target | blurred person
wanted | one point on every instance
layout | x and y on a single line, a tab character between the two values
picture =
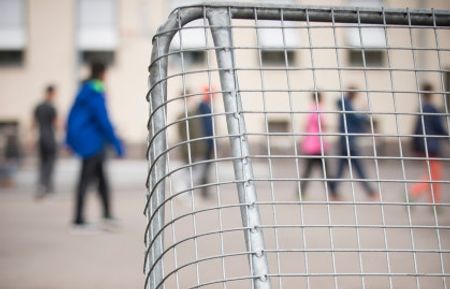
426	143
45	118
204	109
10	156
313	145
198	130
190	131
351	123
89	132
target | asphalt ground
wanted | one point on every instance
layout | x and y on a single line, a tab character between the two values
395	246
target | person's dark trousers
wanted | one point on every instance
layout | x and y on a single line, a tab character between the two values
356	166
311	162
92	169
205	171
47	157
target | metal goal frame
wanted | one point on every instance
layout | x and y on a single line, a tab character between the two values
217	18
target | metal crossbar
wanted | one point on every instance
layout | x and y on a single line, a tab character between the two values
245	100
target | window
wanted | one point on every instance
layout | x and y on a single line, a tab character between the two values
97	30
191	41
274	38
277	57
277	39
12	32
373	58
278	125
91	56
369	42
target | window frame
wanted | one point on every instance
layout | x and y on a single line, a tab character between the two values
106	53
14	54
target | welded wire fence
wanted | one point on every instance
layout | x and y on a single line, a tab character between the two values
296	147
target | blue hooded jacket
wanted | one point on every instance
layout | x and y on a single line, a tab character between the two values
432	122
89	128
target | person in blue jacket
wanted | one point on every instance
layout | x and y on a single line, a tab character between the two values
351	124
89	132
429	131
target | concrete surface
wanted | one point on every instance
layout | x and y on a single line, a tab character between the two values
39	249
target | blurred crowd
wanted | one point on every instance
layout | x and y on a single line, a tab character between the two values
89	133
195	129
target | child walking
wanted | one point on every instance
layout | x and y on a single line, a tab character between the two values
314	147
426	143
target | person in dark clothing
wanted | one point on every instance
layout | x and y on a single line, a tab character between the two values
350	125
10	154
89	131
426	143
199	136
190	130
204	109
45	116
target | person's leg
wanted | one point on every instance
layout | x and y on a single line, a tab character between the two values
418	189
51	168
86	174
205	178
103	187
6	173
42	165
309	163
358	166
342	162
324	169
205	171
436	175
47	170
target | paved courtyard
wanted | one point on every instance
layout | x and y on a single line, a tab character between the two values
39	250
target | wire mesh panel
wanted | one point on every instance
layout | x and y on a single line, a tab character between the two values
296	147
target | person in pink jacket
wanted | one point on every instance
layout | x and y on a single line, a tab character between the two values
313	146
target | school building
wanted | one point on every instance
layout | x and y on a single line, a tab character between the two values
51	41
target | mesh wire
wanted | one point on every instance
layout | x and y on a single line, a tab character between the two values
200	233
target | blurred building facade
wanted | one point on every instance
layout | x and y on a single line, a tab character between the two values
51	41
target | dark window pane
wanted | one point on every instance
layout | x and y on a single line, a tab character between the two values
197	57
190	57
106	57
278	125
11	57
374	58
277	57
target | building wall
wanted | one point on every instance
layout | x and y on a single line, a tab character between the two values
51	57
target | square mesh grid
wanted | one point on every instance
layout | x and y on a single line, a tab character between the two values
232	94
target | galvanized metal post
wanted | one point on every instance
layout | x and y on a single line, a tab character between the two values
158	97
219	20
156	157
164	268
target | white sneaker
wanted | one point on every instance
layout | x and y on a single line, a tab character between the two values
110	224
84	229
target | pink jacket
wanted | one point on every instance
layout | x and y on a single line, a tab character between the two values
311	144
